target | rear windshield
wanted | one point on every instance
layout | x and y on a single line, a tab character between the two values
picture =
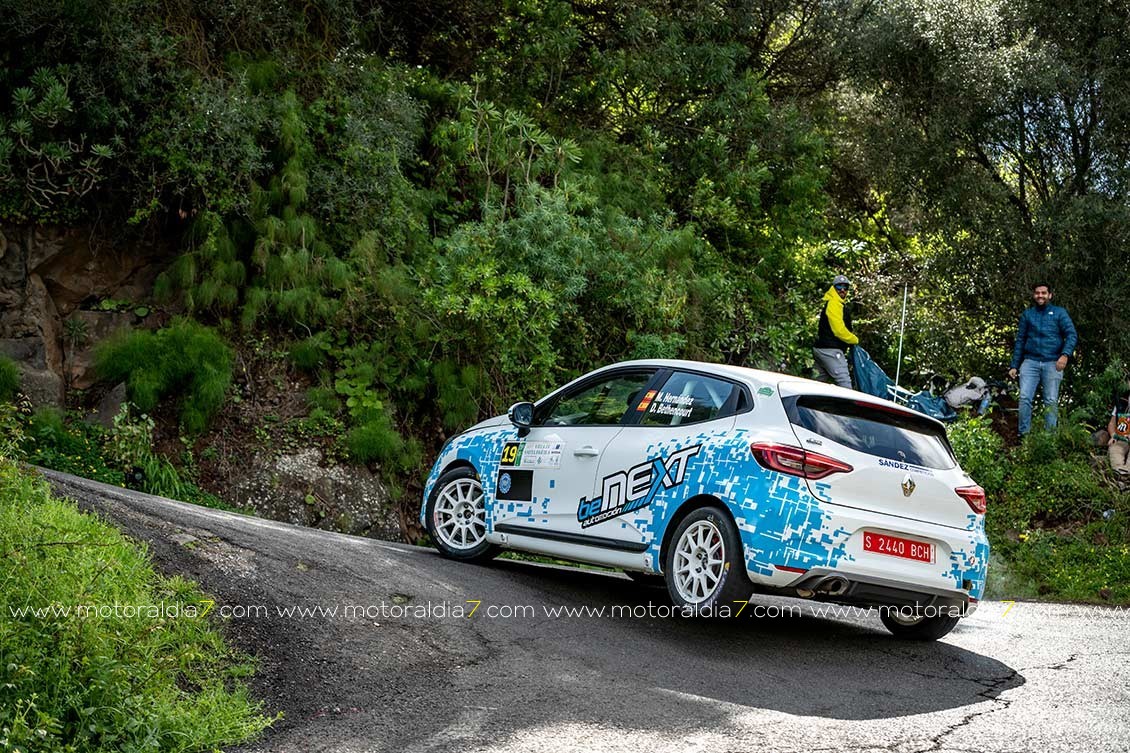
886	434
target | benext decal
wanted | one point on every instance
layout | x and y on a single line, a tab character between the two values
635	488
905	467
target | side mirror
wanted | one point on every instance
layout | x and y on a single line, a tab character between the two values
522	416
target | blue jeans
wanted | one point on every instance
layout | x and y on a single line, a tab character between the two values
1045	375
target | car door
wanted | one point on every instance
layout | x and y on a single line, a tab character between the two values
662	456
544	474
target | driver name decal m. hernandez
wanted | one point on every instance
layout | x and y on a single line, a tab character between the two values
667	404
625	491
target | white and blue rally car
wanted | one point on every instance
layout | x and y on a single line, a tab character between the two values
724	480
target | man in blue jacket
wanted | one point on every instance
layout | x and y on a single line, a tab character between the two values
1045	340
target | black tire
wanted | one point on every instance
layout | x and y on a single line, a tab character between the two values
731	583
445	516
924	629
651	580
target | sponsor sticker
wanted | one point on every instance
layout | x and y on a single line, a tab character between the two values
532	455
905	467
635	488
515	486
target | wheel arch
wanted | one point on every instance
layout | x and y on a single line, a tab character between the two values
459	463
696	502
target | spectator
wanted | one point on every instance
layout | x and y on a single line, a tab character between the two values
1118	446
834	335
1045	340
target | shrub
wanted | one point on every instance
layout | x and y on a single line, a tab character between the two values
186	360
48	426
77	449
310	354
130	445
980	450
323	399
74	681
376	440
12	437
9	379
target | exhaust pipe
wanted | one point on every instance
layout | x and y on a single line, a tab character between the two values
833	585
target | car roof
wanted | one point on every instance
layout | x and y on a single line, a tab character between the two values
760	376
754	376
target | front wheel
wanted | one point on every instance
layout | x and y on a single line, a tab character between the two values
705	567
456	517
917	628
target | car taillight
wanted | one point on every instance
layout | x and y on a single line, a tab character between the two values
975	496
796	461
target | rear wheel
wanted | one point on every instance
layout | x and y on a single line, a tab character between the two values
456	517
705	568
916	627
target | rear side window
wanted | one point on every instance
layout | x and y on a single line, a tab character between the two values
687	398
886	434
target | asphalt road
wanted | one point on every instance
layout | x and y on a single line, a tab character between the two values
398	674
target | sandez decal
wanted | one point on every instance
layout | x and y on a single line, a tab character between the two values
905	467
625	491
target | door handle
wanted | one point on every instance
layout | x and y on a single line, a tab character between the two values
588	451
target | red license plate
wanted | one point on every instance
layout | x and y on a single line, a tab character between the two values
896	546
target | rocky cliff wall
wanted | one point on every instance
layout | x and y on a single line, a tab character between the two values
55	287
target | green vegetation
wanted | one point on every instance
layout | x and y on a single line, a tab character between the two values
437	214
129	446
71	448
9	379
1059	528
122	456
147	672
186	361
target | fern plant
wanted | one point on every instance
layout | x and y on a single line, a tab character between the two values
186	359
272	264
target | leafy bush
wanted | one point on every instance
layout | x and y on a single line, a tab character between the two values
980	451
323	399
11	433
130	447
1058	530
46	168
51	442
159	678
376	440
9	379
48	425
186	361
310	354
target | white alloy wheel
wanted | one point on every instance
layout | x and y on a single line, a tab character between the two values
700	561
459	517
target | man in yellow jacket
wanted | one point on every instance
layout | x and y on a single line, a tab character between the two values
834	335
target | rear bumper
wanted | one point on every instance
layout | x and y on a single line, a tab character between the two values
872	591
829	539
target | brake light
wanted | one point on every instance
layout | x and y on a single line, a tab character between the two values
975	496
887	409
796	461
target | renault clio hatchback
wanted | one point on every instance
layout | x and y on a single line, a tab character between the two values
724	481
